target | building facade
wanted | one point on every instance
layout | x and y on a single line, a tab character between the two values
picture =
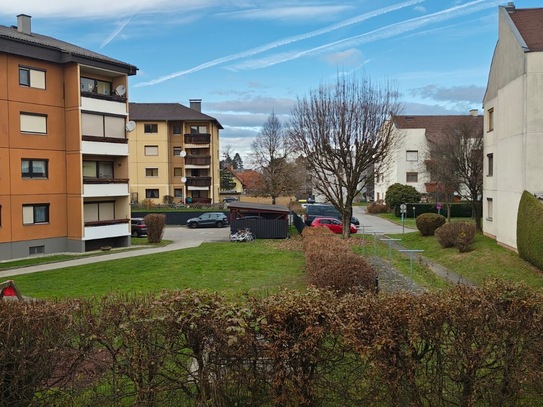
63	146
513	105
174	152
412	148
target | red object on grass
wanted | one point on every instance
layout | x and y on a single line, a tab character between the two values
9	292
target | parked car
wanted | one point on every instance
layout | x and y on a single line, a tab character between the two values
323	211
230	199
333	224
217	219
139	228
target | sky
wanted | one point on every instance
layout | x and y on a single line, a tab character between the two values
248	58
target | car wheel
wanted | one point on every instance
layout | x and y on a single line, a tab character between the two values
192	225
219	224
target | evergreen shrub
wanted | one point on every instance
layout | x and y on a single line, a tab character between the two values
427	223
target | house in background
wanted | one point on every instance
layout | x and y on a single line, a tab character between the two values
406	165
174	151
236	187
63	146
513	105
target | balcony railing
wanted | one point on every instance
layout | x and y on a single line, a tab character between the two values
106	222
198	181
105	139
197	138
105	180
114	97
198	160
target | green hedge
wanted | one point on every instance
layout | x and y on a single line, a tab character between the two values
530	229
458	210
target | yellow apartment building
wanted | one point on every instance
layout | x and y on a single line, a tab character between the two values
174	152
63	146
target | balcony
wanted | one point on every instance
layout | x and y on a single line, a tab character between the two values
101	187
198	160
198	139
106	229
104	146
93	102
198	181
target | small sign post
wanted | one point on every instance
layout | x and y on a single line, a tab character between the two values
403	210
438	206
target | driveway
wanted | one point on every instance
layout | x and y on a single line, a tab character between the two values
377	224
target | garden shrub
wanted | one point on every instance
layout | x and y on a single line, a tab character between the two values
530	229
376	207
427	223
458	234
398	194
155	223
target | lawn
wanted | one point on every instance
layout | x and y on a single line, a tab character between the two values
486	260
231	268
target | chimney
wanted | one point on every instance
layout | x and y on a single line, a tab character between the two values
196	104
474	112
23	24
510	8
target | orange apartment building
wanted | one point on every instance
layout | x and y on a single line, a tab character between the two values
63	146
174	151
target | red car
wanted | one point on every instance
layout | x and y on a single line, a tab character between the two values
333	224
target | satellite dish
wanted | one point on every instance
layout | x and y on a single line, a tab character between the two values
183	179
183	153
120	90
130	126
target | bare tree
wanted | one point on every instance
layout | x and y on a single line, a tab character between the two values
344	132
271	157
456	161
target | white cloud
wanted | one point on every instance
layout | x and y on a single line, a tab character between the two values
350	57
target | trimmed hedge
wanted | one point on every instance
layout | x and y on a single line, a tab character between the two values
427	223
458	210
530	229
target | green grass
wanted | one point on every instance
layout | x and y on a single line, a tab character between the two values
486	260
231	268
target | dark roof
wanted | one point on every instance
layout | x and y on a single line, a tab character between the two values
258	207
47	48
434	125
167	112
529	23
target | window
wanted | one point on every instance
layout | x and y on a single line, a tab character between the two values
178	193
177	151
150	128
198	129
98	169
34	168
412	155
33	123
36	250
96	211
33	78
37	213
151	150
176	129
95	86
177	172
490	158
151	172
489	208
491	119
151	193
412	177
97	125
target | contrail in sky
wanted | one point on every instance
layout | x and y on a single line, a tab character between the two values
381	33
283	42
115	33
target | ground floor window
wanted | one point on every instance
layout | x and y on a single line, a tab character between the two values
151	193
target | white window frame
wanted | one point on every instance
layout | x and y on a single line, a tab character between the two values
36	77
33	123
30	213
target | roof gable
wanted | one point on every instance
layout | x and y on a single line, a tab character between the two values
434	125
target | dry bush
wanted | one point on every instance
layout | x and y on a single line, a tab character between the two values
458	234
331	263
377	207
155	222
427	223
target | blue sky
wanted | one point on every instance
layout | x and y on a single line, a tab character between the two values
247	58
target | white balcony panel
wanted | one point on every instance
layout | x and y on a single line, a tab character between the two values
99	190
103	106
196	146
192	166
102	232
98	148
198	188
